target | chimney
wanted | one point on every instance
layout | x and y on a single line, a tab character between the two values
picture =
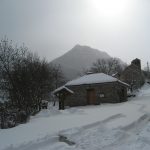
137	62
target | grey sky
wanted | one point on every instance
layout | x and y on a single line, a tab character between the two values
52	27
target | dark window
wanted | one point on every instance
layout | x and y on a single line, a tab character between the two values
122	92
101	95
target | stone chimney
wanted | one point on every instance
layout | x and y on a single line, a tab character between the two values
137	62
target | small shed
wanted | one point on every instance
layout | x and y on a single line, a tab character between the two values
62	92
92	89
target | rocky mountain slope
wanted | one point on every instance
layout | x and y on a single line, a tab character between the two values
77	59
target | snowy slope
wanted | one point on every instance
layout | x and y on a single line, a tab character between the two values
106	127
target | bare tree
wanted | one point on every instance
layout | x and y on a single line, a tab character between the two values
8	56
146	72
107	66
25	78
58	75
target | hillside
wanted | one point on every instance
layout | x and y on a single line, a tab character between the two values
78	58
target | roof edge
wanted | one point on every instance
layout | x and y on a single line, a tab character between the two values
62	88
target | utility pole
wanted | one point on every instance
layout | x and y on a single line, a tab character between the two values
148	71
147	67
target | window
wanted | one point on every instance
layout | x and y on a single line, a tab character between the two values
101	95
123	91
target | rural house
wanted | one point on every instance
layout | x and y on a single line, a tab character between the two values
133	74
92	89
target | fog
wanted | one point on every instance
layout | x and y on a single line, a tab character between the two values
52	27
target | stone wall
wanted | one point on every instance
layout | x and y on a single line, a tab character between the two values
133	74
113	93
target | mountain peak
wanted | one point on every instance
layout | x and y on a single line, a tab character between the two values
77	45
81	47
78	58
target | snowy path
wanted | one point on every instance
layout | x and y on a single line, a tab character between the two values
108	126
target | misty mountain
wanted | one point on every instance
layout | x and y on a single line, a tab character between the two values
79	58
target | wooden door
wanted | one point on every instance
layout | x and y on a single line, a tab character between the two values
91	97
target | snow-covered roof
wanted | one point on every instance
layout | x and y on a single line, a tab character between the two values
62	88
94	79
123	83
113	75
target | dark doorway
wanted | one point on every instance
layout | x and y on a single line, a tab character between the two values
121	94
91	97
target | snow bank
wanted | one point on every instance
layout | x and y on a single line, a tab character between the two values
107	126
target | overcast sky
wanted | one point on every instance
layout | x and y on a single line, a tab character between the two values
52	27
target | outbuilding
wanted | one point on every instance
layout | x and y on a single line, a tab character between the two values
133	75
92	89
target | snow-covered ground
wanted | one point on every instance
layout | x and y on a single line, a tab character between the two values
123	126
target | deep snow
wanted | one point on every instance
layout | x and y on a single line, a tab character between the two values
93	79
107	127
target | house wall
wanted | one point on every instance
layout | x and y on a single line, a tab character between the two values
113	93
133	74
